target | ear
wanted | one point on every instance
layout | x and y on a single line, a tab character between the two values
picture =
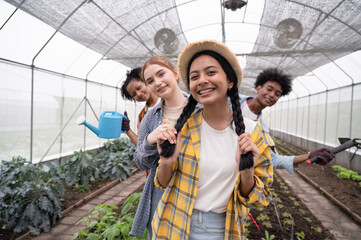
258	88
176	75
230	84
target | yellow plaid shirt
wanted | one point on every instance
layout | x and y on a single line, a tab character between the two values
173	215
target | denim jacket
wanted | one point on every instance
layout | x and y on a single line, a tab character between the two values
146	157
278	161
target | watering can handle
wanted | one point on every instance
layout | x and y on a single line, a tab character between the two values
105	112
340	148
112	113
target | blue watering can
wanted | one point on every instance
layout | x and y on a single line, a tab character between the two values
110	124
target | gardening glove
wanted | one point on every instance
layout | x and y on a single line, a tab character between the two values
125	123
323	155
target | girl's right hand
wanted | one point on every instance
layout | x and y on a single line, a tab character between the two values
152	137
170	135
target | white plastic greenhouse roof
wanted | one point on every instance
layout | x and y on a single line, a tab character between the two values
317	42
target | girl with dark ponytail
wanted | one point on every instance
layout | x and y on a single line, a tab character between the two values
215	165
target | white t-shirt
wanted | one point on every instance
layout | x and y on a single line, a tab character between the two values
247	112
218	168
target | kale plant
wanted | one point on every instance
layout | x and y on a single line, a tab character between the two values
82	168
30	195
116	159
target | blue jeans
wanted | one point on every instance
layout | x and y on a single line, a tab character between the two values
207	225
156	196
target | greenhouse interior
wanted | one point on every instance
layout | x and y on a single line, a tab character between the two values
61	60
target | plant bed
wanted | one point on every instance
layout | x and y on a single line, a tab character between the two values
71	196
295	218
346	191
32	195
111	222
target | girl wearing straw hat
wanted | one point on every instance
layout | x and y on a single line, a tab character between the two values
219	165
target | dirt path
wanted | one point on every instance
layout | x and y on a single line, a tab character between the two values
340	224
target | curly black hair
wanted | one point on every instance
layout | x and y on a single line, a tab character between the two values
132	74
275	75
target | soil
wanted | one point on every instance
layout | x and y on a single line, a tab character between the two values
295	219
346	191
73	195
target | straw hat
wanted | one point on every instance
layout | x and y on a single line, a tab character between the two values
211	45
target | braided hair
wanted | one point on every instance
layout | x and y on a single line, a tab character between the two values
246	159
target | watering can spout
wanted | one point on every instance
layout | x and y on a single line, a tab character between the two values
81	120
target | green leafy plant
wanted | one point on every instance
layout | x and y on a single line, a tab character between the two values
317	229
262	217
288	222
336	167
302	211
120	144
352	173
82	168
344	175
30	195
267	224
115	165
307	219
286	215
300	235
103	222
81	188
356	178
116	159
268	236
101	217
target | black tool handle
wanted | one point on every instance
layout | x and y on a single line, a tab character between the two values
340	148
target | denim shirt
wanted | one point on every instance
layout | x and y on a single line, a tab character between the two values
146	157
278	161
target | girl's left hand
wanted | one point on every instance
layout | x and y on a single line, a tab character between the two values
245	145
